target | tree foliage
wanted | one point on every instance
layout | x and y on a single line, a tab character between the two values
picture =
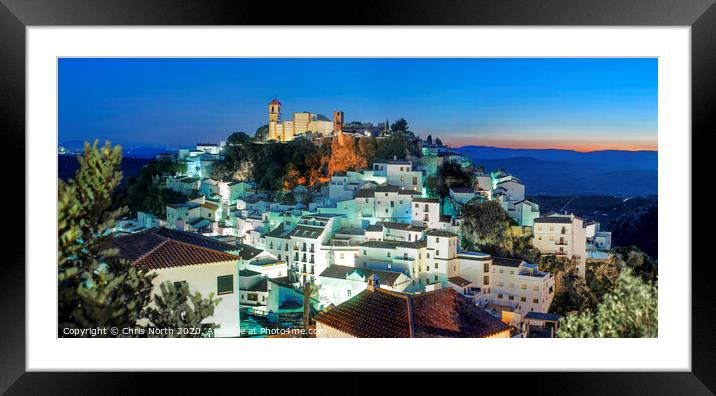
486	227
176	308
144	192
631	310
261	133
571	291
400	125
449	174
96	289
395	146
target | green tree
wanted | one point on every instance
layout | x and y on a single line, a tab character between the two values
399	126
429	140
177	309
262	133
438	142
144	193
449	174
393	146
571	291
96	289
486	227
630	311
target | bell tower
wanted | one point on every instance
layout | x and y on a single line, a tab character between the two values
274	111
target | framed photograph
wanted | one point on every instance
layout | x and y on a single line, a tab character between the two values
468	187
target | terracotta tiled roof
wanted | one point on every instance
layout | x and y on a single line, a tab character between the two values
460	281
380	313
275	102
163	248
336	271
171	253
376	314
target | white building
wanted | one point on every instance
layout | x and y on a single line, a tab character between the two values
338	283
307	256
520	285
562	236
211	148
206	265
524	212
400	173
426	212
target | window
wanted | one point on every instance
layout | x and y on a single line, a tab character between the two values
388	254
523	286
341	256
535	288
253	297
402	178
535	300
436	265
511	298
499	296
427	268
415	180
486	267
405	256
349	293
436	278
417	205
437	253
523	299
500	284
486	280
225	284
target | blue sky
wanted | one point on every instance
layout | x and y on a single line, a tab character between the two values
583	104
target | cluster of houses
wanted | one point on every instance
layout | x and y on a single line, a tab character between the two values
382	258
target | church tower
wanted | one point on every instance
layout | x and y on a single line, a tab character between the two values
274	108
274	111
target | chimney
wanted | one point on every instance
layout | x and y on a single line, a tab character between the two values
373	282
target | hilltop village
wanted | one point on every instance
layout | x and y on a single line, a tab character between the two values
365	251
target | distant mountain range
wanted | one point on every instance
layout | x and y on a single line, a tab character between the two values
77	146
569	172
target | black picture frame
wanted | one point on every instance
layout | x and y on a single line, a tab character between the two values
16	15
